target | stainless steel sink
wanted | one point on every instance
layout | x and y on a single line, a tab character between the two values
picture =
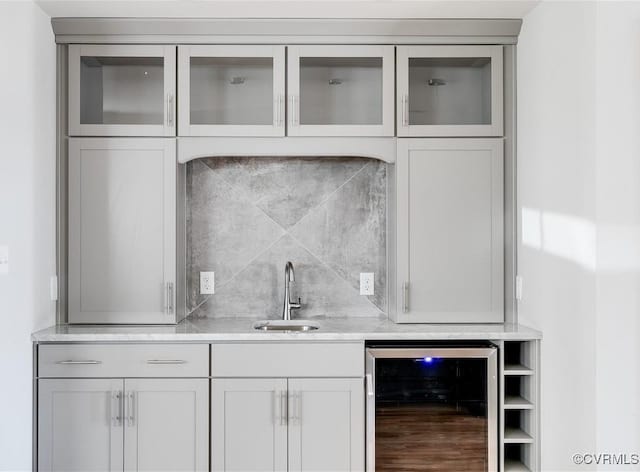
286	325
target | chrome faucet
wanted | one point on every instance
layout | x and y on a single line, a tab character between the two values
289	277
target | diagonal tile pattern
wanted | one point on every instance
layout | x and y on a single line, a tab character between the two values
285	188
257	291
247	216
348	233
224	230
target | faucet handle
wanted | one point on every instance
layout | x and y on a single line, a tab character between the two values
297	305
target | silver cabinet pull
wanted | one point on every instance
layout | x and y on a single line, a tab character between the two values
169	294
276	111
291	110
281	107
130	413
170	109
274	407
166	361
87	362
292	406
405	110
405	297
297	407
278	104
283	408
116	408
295	112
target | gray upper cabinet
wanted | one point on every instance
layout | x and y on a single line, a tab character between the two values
231	90
450	231
122	90
122	230
340	90
450	91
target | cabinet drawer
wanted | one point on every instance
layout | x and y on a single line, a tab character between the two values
122	360
287	360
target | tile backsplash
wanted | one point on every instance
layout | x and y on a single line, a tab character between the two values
248	216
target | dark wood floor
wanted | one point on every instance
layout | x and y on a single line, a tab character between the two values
429	438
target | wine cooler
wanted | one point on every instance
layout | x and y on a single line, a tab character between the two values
432	408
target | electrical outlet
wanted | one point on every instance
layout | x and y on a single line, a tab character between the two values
366	283
4	259
207	283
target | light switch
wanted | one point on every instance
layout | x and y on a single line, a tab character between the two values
207	283
366	283
4	260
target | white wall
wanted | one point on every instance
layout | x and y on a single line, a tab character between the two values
27	212
579	191
618	227
556	179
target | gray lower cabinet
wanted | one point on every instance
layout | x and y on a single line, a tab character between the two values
450	232
248	425
122	230
326	425
287	424
80	425
166	426
123	424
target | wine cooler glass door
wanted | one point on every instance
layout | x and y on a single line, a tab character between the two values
433	409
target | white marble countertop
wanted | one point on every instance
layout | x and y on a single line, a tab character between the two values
241	329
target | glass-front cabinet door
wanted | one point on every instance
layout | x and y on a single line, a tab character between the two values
450	90
122	90
231	90
340	90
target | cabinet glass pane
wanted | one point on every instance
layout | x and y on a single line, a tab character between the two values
450	91
340	90
231	90
121	90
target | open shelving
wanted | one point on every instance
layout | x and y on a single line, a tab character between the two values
519	417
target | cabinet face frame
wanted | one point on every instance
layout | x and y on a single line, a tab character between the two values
168	126
403	286
294	53
167	147
186	52
406	129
